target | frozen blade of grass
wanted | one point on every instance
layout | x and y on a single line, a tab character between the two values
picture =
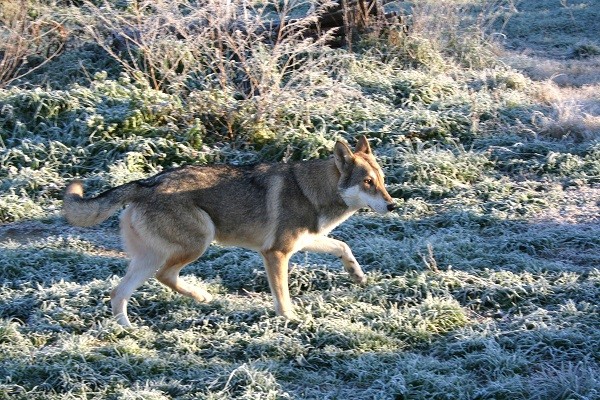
249	381
570	380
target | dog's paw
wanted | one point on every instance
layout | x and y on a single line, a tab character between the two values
355	271
201	296
359	279
290	315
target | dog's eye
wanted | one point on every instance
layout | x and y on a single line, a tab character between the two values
369	181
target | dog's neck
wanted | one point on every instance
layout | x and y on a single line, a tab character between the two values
318	181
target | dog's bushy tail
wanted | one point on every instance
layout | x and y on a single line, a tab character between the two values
87	212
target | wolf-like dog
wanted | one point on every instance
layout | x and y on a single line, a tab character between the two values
276	209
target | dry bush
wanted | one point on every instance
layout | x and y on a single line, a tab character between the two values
574	114
443	33
29	39
568	120
175	44
565	73
249	61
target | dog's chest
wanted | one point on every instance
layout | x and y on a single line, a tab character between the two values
327	223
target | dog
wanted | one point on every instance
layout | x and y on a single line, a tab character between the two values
276	209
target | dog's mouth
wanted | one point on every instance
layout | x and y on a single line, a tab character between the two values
354	199
383	209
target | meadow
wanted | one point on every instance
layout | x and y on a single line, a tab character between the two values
483	284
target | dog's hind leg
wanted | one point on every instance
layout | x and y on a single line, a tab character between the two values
339	249
141	268
193	245
145	261
169	276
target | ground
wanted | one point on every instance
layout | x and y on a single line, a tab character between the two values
483	284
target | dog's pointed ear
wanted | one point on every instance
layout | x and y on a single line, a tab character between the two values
343	155
363	145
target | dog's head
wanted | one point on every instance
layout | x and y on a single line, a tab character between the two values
361	181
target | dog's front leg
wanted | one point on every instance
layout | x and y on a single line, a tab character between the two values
276	264
341	250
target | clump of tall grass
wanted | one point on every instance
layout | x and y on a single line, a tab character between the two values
442	35
570	114
252	64
31	37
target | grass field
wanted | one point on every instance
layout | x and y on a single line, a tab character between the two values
484	284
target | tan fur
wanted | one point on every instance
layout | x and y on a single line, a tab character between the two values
275	209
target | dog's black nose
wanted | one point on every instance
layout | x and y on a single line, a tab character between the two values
391	207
